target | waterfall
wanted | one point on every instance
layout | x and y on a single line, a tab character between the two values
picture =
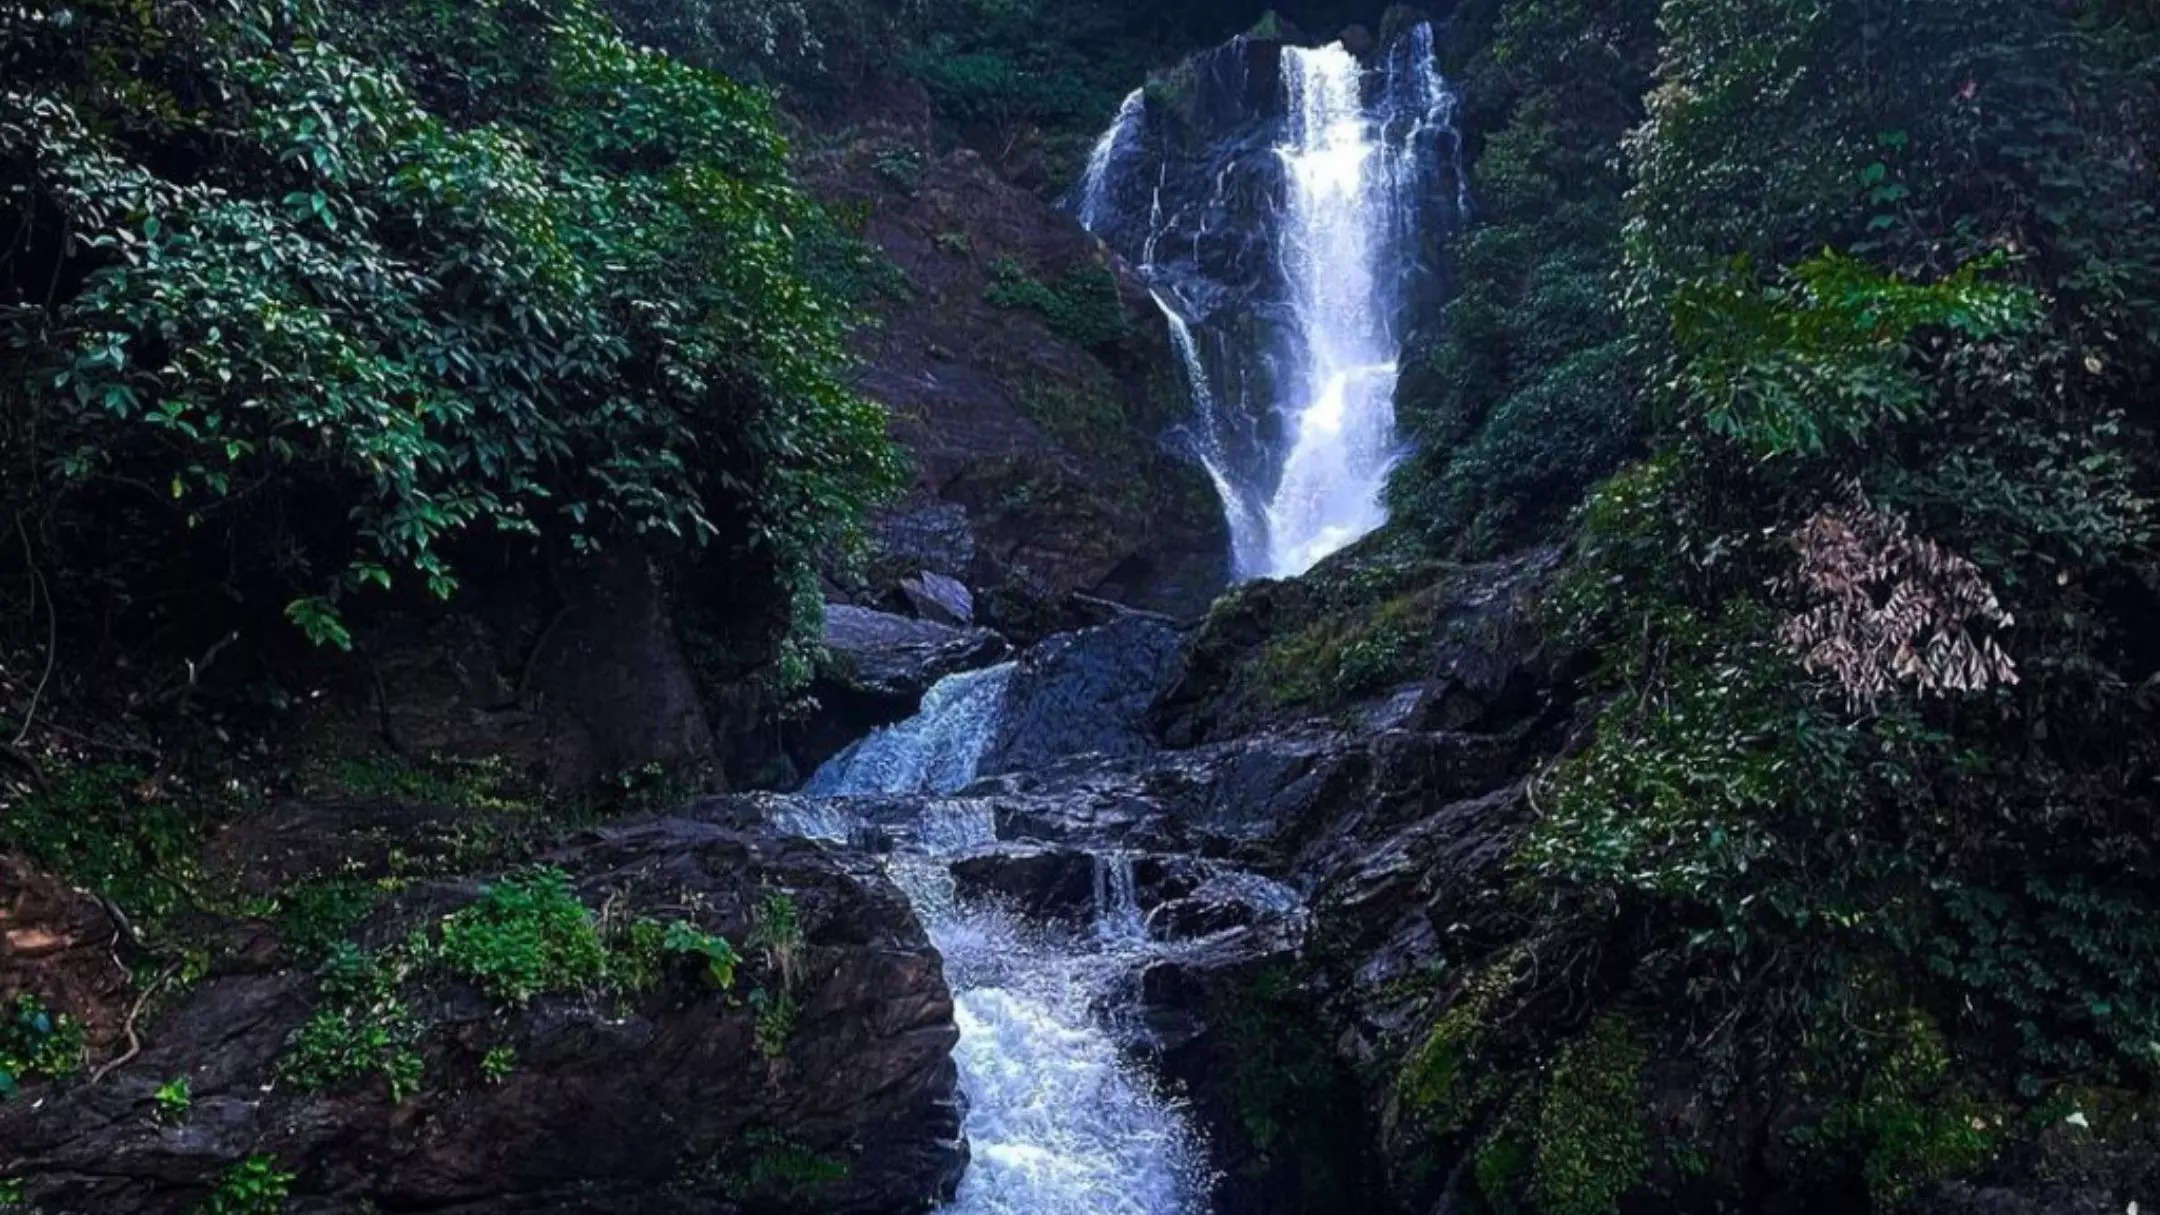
1117	901
1060	1121
1300	227
1340	406
1095	183
935	751
1248	530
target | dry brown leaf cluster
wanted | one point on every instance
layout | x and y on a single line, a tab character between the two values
1889	607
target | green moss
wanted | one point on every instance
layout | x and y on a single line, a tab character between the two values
1077	417
1501	1168
482	783
1340	657
313	916
110	828
777	1169
1293	1099
1438	1083
1590	1144
1910	1123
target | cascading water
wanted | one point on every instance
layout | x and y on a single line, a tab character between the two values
935	751
1285	230
1094	198
1341	391
1059	1121
1247	523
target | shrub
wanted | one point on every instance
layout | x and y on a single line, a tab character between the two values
363	1028
255	1186
1083	307
527	935
37	1044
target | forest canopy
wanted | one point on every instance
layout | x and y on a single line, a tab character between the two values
297	297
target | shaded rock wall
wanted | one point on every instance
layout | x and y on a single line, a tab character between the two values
1049	444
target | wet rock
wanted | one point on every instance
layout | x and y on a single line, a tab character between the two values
937	597
895	658
662	1102
930	535
1188	918
1232	1021
1084	693
1042	447
880	666
1039	881
1474	658
1223	900
878	654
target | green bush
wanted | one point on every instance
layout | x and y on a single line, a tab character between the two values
1523	390
255	1186
363	1028
1909	1122
108	827
1344	655
396	275
37	1044
526	936
1853	280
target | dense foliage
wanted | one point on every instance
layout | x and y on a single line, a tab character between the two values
1873	783
298	298
1519	393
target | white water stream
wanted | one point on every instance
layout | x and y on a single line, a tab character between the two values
1060	1121
1339	401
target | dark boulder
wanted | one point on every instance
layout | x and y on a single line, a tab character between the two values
1084	693
1039	881
893	658
660	1101
937	597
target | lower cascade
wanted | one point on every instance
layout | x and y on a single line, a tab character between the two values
1060	1120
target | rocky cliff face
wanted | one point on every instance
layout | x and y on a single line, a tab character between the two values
1028	375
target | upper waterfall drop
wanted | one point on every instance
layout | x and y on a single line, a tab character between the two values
1283	203
1339	399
